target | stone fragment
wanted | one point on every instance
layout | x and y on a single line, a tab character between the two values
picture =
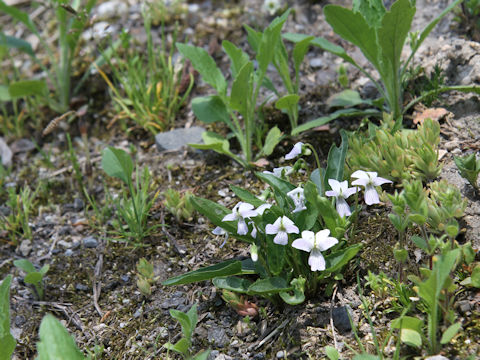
176	139
341	319
90	242
5	153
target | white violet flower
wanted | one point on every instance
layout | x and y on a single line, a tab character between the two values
219	232
241	211
271	6
315	244
297	150
281	227
369	180
280	172
341	191
298	199
261	209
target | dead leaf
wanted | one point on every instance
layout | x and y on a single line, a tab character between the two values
261	163
432	113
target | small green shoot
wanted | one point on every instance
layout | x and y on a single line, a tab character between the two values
188	322
179	205
7	341
469	167
17	222
33	276
145	277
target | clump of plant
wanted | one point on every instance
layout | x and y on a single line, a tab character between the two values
148	87
380	35
134	204
34	276
16	223
7	341
71	20
179	205
145	277
297	235
397	154
469	167
188	322
467	15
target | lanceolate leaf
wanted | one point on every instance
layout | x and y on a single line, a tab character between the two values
237	57
16	43
226	268
210	109
336	160
205	65
233	283
242	89
372	11
7	341
353	27
273	138
28	88
269	286
117	163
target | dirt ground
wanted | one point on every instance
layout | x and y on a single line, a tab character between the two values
91	285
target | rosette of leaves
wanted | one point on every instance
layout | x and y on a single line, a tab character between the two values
281	271
469	167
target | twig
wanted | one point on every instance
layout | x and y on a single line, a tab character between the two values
97	287
331	317
269	336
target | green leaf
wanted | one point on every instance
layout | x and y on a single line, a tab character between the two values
347	98
272	285
336	160
316	177
410	330
371	10
352	27
278	184
275	257
366	357
331	353
232	283
394	30
268	42
451	331
205	65
12	42
218	144
117	163
188	321
226	268
246	196
202	356
55	341
420	242
287	102
299	51
4	94
237	57
335	115
323	44
210	109
7	341
181	346
28	88
44	269
335	261
273	138
25	265
33	278
476	277
242	89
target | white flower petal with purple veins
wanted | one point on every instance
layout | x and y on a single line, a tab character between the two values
246	210
316	260
261	209
241	211
281	227
254	230
280	172
341	191
230	217
369	180
315	244
297	150
342	207
297	195
281	238
242	227
221	232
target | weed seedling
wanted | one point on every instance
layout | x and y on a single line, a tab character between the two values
469	167
145	277
179	205
33	276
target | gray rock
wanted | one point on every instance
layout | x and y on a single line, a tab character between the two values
78	204
25	247
176	139
5	153
218	337
213	355
4	210
22	145
111	9
90	242
175	301
341	320
316	63
81	287
68	252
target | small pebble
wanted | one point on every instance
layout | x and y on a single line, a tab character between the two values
81	287
125	278
90	242
280	354
68	252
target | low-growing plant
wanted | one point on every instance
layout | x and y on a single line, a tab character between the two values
16	223
380	35
7	341
148	87
469	168
33	276
397	154
55	341
239	108
297	241
179	205
145	277
134	205
188	322
72	20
